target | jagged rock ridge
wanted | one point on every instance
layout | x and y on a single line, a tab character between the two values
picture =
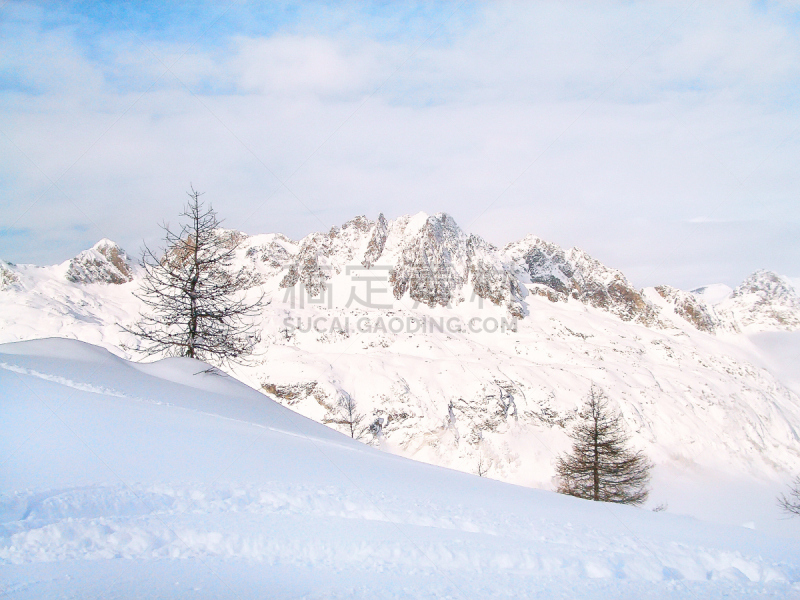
691	308
560	275
431	260
432	266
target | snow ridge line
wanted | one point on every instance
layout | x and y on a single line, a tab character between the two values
83	387
104	391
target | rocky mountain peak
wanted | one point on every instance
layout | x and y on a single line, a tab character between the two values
560	275
768	286
765	299
432	266
7	275
105	262
309	266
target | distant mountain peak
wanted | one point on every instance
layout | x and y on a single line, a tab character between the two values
766	300
105	262
767	285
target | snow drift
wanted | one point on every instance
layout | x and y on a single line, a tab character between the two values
171	479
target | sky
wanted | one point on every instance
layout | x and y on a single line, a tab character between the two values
662	138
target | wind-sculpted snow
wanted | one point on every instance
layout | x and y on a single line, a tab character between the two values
167	522
201	487
84	387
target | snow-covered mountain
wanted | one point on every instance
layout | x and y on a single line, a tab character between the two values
170	480
765	301
460	353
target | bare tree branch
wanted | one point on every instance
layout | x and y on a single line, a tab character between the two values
791	503
346	415
197	307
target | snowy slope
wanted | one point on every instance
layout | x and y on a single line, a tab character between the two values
166	480
462	354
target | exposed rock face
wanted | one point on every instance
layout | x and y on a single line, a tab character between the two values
766	300
545	264
307	267
575	274
491	278
432	261
229	238
273	254
7	276
294	393
322	254
691	308
432	267
105	262
377	242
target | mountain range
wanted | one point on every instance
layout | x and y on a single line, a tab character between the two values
463	354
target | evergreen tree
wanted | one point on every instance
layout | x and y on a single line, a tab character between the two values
791	503
196	304
600	466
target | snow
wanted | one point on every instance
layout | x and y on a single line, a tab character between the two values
170	480
714	293
718	412
780	350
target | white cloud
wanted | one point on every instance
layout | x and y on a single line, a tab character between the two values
617	133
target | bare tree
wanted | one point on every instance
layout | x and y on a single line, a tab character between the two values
601	467
791	503
346	415
196	304
483	465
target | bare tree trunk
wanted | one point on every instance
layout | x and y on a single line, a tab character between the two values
196	306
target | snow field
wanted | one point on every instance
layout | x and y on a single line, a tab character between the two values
722	408
121	479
